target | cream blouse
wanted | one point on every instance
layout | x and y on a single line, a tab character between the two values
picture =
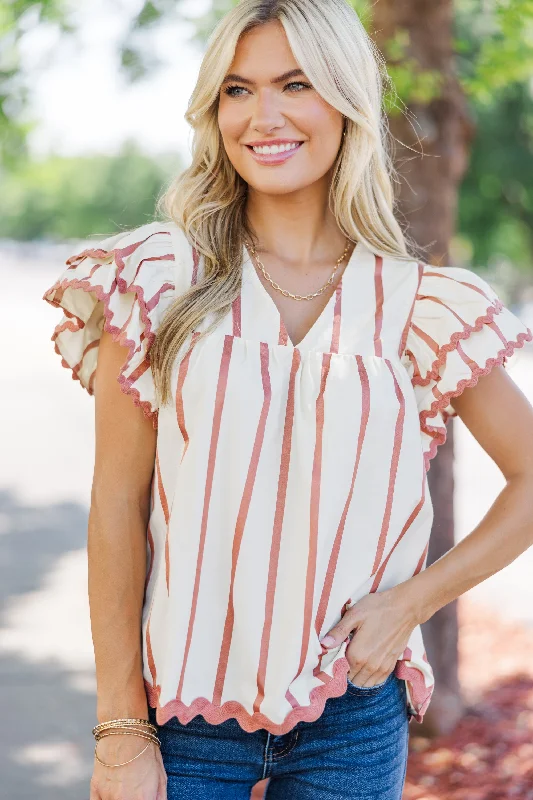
288	481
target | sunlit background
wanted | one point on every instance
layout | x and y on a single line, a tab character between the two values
93	97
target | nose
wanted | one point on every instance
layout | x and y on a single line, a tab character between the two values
266	113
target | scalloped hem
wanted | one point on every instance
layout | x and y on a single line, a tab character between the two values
438	434
75	324
250	723
468	330
419	695
256	721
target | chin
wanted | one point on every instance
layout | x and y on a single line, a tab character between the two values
276	189
276	184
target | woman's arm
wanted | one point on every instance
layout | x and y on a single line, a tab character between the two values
120	503
501	419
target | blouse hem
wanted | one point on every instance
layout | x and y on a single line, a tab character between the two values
232	709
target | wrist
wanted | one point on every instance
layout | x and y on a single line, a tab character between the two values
133	706
415	599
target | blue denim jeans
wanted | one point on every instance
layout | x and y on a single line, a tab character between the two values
356	750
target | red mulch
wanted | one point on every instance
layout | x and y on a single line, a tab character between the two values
489	755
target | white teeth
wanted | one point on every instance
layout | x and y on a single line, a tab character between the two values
281	148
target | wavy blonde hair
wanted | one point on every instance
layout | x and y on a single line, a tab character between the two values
208	199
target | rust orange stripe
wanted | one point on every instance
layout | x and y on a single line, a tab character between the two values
492	325
236	315
466	358
403	341
182	374
336	333
398	433
314	512
421	560
276	534
164	506
241	521
215	431
444	305
167	257
332	565
431	343
412	516
462	283
283	337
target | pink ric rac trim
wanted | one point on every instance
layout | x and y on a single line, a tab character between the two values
419	692
118	334
438	434
335	687
443	351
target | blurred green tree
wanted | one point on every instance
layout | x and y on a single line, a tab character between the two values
77	197
18	17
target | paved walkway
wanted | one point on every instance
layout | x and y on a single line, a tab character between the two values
46	661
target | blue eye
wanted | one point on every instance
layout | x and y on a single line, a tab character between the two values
299	83
231	91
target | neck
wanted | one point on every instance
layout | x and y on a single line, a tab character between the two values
297	229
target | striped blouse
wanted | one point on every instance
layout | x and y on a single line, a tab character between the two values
289	481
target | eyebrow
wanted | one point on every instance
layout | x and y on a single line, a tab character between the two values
293	73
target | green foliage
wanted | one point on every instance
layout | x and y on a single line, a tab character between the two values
77	197
496	198
17	17
495	45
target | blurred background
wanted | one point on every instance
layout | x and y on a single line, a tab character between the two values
92	98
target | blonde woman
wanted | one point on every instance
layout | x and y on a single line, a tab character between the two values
260	514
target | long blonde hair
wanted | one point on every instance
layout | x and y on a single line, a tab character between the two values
208	199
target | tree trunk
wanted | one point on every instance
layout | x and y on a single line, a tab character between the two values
431	157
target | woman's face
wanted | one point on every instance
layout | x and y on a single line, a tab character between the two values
256	108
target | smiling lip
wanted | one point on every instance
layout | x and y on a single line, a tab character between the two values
273	158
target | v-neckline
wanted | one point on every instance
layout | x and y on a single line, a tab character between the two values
248	263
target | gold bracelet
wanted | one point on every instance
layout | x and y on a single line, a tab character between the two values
126	721
143	735
124	728
124	762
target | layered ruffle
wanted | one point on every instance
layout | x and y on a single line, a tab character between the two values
459	330
123	286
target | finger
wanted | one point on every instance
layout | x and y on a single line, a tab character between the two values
367	676
340	632
363	678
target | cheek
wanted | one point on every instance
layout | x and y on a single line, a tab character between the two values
325	128
230	124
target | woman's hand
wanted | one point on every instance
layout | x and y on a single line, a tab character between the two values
382	623
144	777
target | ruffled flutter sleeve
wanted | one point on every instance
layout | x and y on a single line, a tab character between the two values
123	285
459	330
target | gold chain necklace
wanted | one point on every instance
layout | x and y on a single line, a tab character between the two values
290	294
